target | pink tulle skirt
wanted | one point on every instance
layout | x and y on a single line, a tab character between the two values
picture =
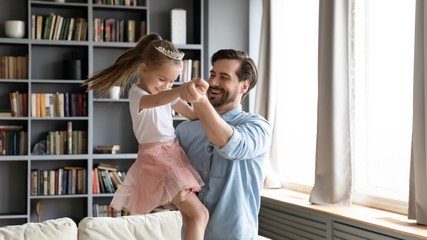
160	171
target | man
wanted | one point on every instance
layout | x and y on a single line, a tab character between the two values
227	146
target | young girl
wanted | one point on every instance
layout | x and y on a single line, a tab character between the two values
161	174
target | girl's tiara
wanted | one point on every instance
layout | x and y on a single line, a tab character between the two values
169	53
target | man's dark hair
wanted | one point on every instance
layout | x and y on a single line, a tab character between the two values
247	70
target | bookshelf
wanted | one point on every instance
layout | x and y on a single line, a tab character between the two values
105	121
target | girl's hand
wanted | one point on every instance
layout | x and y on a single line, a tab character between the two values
201	85
194	91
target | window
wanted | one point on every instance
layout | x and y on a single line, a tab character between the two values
383	82
381	100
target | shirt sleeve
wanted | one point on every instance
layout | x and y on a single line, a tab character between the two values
135	94
174	101
249	140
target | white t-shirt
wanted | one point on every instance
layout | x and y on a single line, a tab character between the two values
151	124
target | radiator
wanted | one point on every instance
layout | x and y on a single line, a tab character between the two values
278	220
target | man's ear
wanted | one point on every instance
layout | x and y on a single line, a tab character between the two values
244	86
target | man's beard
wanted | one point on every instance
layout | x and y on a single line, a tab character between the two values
226	97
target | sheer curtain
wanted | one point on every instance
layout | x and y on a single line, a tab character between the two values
287	88
418	173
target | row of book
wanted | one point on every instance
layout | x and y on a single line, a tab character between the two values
190	70
106	178
13	140
14	67
61	181
104	210
121	2
18	105
67	141
57	27
116	30
58	104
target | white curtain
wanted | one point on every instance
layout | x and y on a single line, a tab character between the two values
333	178
418	174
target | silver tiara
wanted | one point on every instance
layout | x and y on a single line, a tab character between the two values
169	53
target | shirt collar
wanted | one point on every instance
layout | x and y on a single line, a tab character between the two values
228	116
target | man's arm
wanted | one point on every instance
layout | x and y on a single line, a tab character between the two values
216	129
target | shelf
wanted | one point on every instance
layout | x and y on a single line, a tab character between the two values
9	158
45	42
115	156
14	81
103	195
13	216
63	157
118	7
106	100
50	4
64	196
15	40
58	118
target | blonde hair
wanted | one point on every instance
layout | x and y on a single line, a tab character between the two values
126	67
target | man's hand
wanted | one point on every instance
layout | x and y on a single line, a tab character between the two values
194	91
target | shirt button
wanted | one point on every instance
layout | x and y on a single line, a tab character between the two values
209	148
201	194
205	172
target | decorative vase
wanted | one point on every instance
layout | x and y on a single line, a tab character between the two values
14	28
114	92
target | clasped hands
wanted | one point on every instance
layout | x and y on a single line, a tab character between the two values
194	90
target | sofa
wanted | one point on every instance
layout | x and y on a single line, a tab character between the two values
154	226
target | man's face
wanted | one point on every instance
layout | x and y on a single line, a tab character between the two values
225	90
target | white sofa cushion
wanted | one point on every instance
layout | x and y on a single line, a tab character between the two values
162	225
61	228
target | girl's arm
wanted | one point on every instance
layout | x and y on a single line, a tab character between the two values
185	110
159	99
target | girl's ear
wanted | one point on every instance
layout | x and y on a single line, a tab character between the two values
142	68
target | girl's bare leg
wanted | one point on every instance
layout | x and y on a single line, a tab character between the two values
195	217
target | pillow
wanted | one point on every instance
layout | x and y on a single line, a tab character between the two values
61	228
161	225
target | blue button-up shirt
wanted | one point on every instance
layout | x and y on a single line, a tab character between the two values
232	174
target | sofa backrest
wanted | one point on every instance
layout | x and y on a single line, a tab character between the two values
162	225
61	228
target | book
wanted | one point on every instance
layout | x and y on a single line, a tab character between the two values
33	26
52	26
112	149
106	166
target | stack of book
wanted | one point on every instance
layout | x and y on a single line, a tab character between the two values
62	181
13	140
110	149
107	178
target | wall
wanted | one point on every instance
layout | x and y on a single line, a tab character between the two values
227	27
